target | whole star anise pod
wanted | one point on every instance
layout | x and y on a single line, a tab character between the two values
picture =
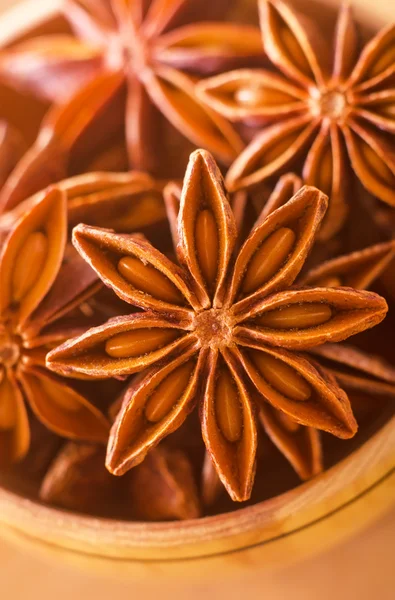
354	370
38	293
143	52
212	322
313	116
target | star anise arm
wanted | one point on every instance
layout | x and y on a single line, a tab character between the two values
53	67
373	159
285	188
302	318
61	408
166	15
357	270
376	62
357	371
325	168
122	346
135	270
74	284
163	487
12	147
155	404
298	387
300	445
77	480
92	20
200	47
124	201
228	424
292	42
271	151
32	254
275	251
172	196
14	422
345	44
376	107
207	230
211	485
252	94
142	121
175	95
65	130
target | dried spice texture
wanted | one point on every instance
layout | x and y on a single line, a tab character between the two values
124	201
38	293
356	371
161	488
214	322
311	116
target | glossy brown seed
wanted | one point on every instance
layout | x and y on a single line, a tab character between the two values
377	165
268	258
28	264
206	236
168	392
258	96
287	422
282	377
139	342
63	397
148	279
297	316
8	410
228	408
293	49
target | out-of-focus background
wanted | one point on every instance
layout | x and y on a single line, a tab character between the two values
362	568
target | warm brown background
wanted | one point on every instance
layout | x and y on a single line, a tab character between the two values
363	568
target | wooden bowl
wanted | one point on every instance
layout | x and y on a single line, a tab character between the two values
312	516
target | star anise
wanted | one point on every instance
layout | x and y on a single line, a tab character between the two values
212	322
312	115
301	445
161	488
135	58
38	294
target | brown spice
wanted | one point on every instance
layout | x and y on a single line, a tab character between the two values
219	330
310	115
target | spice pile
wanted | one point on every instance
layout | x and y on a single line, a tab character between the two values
202	222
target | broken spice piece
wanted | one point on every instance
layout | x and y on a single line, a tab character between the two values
223	311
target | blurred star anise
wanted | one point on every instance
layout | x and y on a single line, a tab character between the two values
215	322
141	51
161	488
314	116
38	293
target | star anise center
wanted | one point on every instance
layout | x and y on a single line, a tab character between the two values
331	104
213	327
9	349
130	53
